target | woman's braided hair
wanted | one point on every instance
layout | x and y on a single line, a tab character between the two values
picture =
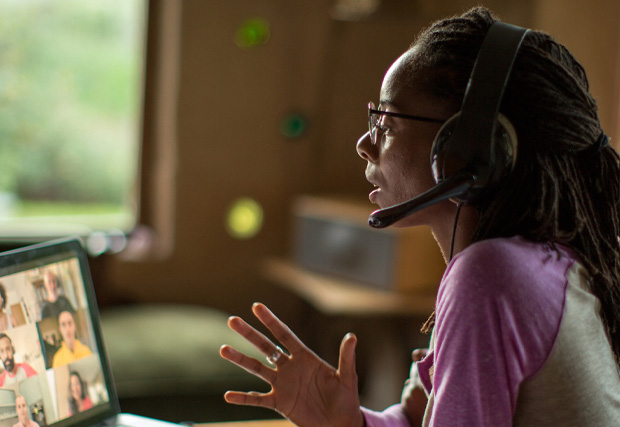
565	187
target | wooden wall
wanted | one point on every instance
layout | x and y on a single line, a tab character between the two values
213	114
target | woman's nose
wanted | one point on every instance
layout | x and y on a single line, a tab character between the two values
366	149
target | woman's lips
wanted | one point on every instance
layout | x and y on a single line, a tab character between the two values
374	194
372	179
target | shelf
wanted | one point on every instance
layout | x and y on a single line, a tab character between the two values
333	296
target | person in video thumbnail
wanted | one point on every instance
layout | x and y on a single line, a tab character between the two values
21	407
71	348
78	399
7	321
13	372
55	303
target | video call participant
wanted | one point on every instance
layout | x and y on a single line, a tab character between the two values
55	303
7	321
78	399
527	324
71	348
21	407
13	372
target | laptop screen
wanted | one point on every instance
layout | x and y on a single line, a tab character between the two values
53	365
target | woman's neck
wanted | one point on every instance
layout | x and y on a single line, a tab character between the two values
451	241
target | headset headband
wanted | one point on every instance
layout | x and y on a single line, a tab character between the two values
485	89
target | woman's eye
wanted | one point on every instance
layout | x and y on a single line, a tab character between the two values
386	131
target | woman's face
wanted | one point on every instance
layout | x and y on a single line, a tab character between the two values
22	409
76	388
398	165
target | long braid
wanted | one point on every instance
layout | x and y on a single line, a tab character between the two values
564	189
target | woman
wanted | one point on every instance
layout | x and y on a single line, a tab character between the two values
527	323
78	400
21	407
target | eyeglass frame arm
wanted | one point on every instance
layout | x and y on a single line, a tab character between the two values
405	116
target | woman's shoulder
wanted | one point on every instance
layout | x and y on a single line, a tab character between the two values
510	266
500	246
498	254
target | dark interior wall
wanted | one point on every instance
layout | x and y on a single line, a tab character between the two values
591	30
225	139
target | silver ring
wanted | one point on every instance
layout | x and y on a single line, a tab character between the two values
275	356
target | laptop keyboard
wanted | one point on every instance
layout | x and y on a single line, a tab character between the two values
110	423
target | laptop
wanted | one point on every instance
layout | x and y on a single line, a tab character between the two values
55	371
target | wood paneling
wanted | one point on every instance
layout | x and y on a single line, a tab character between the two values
222	126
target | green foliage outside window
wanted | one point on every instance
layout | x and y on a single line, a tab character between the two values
70	100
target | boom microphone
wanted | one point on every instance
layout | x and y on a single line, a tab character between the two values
451	187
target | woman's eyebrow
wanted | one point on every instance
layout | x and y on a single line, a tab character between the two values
384	103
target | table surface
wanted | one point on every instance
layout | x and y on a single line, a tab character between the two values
263	423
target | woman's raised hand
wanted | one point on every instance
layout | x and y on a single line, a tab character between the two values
304	388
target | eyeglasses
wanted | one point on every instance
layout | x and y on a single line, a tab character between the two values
374	117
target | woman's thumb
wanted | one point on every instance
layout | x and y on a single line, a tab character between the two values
346	363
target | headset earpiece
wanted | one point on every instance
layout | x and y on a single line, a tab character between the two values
506	146
479	141
448	160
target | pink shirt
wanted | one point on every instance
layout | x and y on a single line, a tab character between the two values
500	307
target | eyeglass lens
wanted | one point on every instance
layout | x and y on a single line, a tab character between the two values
373	120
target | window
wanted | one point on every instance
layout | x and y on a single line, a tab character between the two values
71	83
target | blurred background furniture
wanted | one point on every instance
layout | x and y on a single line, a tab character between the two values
166	363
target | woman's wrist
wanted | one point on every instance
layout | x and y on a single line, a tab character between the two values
361	415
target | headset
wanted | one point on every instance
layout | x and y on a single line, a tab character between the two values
476	148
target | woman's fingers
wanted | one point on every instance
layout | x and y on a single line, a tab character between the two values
419	354
252	398
278	328
250	364
260	341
